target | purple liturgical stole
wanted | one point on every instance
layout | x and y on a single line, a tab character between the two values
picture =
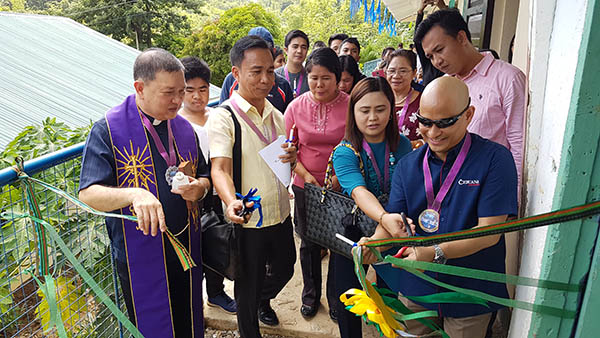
145	254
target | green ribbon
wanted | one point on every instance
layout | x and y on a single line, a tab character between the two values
182	253
402	312
483	275
535	221
413	267
49	290
87	278
558	312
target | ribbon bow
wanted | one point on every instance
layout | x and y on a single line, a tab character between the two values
249	197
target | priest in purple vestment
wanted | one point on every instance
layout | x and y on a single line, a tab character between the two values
129	162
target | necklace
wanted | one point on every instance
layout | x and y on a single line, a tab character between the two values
398	102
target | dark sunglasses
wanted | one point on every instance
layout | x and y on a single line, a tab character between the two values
442	123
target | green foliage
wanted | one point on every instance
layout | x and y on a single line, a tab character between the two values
86	236
322	18
213	42
13	5
138	23
35	141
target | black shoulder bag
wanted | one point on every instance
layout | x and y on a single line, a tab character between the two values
221	239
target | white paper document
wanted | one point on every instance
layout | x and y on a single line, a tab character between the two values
270	154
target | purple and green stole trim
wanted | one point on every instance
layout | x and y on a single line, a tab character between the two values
146	254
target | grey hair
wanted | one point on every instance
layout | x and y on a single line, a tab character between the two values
154	60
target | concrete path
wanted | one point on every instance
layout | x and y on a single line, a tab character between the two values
287	306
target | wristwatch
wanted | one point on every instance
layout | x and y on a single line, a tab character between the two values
440	257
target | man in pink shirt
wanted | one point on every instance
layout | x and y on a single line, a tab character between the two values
497	88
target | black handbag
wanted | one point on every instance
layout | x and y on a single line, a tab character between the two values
331	212
220	238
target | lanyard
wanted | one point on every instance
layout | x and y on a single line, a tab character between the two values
298	86
253	126
436	203
405	109
169	157
386	173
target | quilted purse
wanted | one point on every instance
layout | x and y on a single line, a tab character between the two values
331	212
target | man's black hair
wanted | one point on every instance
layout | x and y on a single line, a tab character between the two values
325	57
296	33
340	36
194	68
386	51
236	54
353	41
449	20
277	51
152	61
319	44
349	65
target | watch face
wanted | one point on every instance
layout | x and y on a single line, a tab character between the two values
439	258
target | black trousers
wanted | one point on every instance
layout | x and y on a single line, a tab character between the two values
349	324
310	259
179	290
273	244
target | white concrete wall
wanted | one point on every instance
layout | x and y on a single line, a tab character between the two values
556	28
503	26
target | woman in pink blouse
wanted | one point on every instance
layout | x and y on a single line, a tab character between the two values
319	119
400	72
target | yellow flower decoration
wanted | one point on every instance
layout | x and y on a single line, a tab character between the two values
375	310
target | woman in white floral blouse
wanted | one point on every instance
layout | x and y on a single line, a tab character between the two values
400	72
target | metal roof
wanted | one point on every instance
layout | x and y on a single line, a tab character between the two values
55	67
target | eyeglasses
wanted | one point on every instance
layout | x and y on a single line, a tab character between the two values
401	71
442	123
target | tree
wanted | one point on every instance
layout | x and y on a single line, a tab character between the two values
138	23
322	18
213	42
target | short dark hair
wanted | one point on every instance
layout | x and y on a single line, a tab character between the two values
236	54
350	66
319	44
277	51
195	68
353	41
362	88
325	57
152	61
296	33
339	36
386	50
408	54
449	20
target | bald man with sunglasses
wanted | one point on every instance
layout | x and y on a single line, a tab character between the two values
457	181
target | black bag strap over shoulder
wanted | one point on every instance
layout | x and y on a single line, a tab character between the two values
237	150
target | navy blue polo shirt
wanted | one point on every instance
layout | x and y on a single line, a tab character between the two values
98	167
485	186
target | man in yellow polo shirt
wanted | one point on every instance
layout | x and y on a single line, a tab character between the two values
272	239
